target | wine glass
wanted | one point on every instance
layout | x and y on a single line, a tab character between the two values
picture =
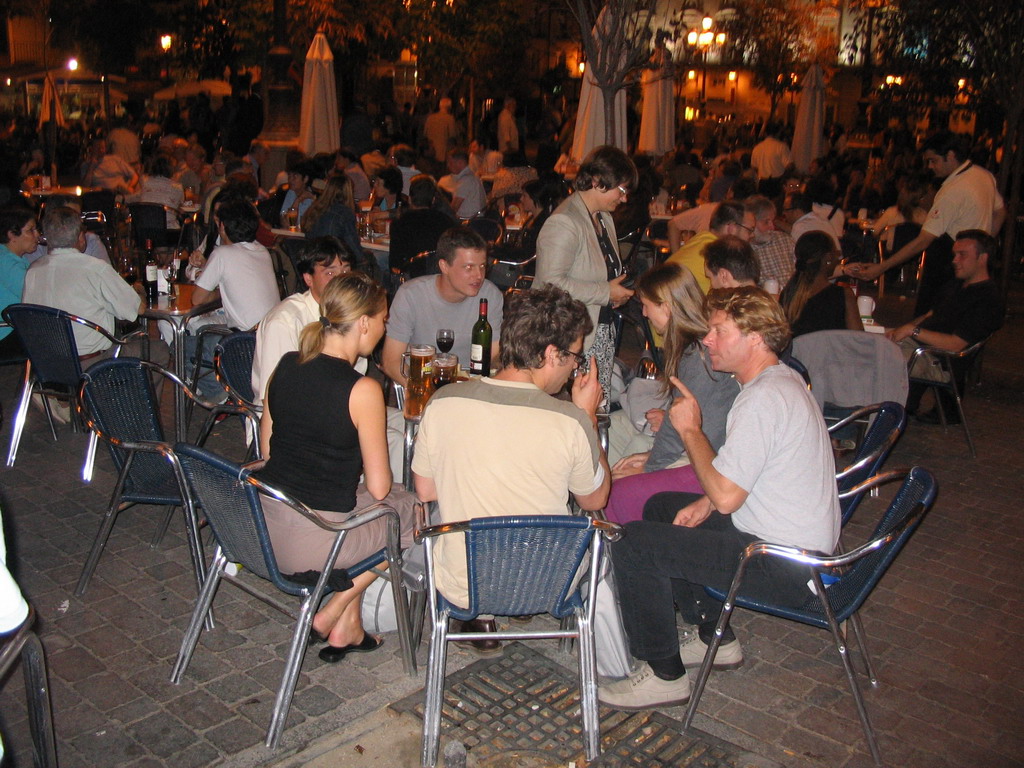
445	339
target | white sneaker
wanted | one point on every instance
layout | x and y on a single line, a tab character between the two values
645	690
729	656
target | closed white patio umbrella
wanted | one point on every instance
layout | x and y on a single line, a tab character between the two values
808	140
320	128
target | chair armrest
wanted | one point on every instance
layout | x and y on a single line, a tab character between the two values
118	340
356	518
610	531
869	459
818	560
860	413
875	481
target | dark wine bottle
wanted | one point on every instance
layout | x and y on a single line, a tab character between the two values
480	344
150	276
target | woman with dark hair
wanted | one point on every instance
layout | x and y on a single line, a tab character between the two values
299	196
811	301
387	192
323	426
577	249
674	306
19	235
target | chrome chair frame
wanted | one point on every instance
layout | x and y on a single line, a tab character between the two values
946	359
887	540
865	465
562	600
133	448
23	643
31	384
267	569
235	397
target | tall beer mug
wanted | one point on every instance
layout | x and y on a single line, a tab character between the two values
417	366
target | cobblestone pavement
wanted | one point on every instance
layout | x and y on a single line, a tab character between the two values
944	626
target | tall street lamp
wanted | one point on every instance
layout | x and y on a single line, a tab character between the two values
165	46
702	41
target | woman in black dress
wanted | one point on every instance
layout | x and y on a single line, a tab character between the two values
323	426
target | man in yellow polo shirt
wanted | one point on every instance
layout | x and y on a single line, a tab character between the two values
728	219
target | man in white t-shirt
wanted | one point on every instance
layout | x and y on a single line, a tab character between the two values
528	450
240	273
772	479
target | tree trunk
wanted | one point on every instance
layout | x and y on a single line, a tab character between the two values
774	99
608	95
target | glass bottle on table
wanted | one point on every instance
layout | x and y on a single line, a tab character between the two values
149	278
480	344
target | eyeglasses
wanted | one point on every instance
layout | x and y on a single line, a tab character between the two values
750	230
622	190
32	229
581	362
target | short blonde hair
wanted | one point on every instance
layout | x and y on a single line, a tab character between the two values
754	311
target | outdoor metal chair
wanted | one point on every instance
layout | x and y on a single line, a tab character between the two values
230	499
889	421
519	566
851	369
23	643
232	365
119	405
53	368
850	577
951	365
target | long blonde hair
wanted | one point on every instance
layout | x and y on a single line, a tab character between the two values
337	189
674	286
345	299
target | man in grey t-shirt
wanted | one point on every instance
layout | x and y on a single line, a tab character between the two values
448	300
772	479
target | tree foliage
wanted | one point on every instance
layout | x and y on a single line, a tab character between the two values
776	40
218	36
482	38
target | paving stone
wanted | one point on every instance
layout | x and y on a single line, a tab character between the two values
235	735
163	734
199	710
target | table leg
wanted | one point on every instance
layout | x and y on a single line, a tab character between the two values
407	449
180	427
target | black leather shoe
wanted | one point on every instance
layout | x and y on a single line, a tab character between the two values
481	647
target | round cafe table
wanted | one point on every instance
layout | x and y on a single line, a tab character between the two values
178	310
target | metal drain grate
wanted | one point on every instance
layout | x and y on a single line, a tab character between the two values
523	707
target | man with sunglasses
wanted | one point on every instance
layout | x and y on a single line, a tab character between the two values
728	219
504	445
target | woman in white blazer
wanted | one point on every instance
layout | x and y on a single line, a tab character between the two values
577	249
